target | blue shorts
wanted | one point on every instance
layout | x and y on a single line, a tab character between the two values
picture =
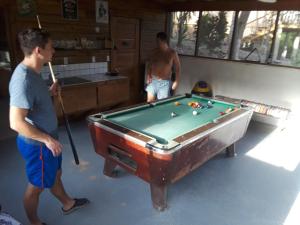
41	165
159	88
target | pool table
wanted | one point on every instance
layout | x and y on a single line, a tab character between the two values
163	141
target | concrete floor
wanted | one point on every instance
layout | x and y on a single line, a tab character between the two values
224	191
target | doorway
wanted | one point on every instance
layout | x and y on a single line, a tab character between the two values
125	34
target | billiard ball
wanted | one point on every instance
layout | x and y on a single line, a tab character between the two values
177	103
228	110
195	112
173	114
222	113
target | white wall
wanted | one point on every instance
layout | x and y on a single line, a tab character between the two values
274	85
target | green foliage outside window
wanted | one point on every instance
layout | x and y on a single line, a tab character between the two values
213	30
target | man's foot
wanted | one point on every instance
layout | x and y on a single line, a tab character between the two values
79	203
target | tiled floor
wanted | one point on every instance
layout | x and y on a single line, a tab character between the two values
244	190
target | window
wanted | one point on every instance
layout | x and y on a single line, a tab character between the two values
183	36
253	37
286	45
215	33
249	35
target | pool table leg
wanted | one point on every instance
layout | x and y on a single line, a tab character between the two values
230	151
159	196
109	168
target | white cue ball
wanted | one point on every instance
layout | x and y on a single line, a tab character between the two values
195	112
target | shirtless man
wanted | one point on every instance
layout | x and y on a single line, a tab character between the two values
159	70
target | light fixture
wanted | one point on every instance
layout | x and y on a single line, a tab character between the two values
267	1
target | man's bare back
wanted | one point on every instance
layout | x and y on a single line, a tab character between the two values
161	63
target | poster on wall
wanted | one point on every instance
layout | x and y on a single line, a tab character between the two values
26	7
70	9
101	11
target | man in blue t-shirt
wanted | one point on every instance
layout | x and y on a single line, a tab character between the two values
32	115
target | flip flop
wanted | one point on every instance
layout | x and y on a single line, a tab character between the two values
79	203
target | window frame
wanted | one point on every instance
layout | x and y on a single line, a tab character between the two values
268	63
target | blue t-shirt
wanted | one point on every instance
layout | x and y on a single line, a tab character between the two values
29	91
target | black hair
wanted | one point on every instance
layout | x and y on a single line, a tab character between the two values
162	36
31	38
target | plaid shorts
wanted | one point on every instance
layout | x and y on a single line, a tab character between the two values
159	88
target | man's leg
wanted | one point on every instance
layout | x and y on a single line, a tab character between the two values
59	192
151	91
69	204
31	201
150	97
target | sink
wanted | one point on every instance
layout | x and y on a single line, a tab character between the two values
70	80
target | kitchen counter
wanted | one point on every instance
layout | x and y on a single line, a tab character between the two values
90	92
85	79
101	77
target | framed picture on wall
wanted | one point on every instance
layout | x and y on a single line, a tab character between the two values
26	7
70	9
101	11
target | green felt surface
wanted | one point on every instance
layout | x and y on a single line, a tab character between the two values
156	121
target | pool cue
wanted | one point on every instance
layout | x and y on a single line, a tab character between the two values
67	125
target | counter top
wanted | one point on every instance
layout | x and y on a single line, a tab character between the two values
85	79
101	77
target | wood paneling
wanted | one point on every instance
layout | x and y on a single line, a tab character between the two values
50	15
98	95
151	17
77	99
125	33
113	92
150	26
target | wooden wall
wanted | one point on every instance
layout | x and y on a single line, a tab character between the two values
152	18
50	14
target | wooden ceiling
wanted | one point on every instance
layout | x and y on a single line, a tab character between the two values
173	5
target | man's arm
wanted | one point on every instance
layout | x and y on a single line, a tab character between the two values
19	124
55	88
177	71
149	72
